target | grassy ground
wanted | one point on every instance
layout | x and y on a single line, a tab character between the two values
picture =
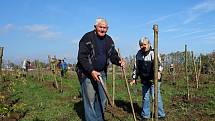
27	99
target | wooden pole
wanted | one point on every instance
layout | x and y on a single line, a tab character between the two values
1	55
52	63
37	63
49	58
194	67
61	85
129	93
128	89
199	71
155	28
113	83
186	74
106	92
120	56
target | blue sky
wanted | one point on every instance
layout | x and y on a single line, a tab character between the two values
37	28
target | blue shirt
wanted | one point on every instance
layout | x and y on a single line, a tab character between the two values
63	66
101	57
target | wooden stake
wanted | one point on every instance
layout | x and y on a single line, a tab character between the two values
128	89
129	93
199	71
106	92
1	55
155	28
113	83
194	68
186	74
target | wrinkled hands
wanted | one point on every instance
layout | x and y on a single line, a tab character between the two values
132	82
95	75
122	63
159	75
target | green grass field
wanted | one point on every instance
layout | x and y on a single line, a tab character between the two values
27	99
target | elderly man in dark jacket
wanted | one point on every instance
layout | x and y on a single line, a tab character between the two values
96	49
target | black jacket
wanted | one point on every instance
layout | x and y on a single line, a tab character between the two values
87	53
144	66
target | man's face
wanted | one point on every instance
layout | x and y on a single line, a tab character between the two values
101	29
144	46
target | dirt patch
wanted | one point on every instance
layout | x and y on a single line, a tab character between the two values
123	109
71	98
192	100
197	115
13	116
188	109
50	85
116	111
8	103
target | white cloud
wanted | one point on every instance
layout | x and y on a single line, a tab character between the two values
208	36
6	28
189	33
162	18
199	10
37	28
198	33
206	6
172	30
42	31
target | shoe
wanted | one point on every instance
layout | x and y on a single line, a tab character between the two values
145	119
161	118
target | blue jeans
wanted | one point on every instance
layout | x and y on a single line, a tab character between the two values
94	98
148	89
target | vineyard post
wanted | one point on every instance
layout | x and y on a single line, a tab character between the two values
49	58
155	28
52	64
1	55
121	58
186	74
199	71
128	89
113	82
129	93
195	68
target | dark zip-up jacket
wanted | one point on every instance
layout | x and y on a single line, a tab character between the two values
144	66
87	52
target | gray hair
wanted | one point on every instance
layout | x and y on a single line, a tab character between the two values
99	20
142	39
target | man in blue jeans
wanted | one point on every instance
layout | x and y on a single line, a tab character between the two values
96	48
144	69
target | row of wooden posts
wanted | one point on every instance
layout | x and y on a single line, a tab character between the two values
155	107
197	71
155	28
